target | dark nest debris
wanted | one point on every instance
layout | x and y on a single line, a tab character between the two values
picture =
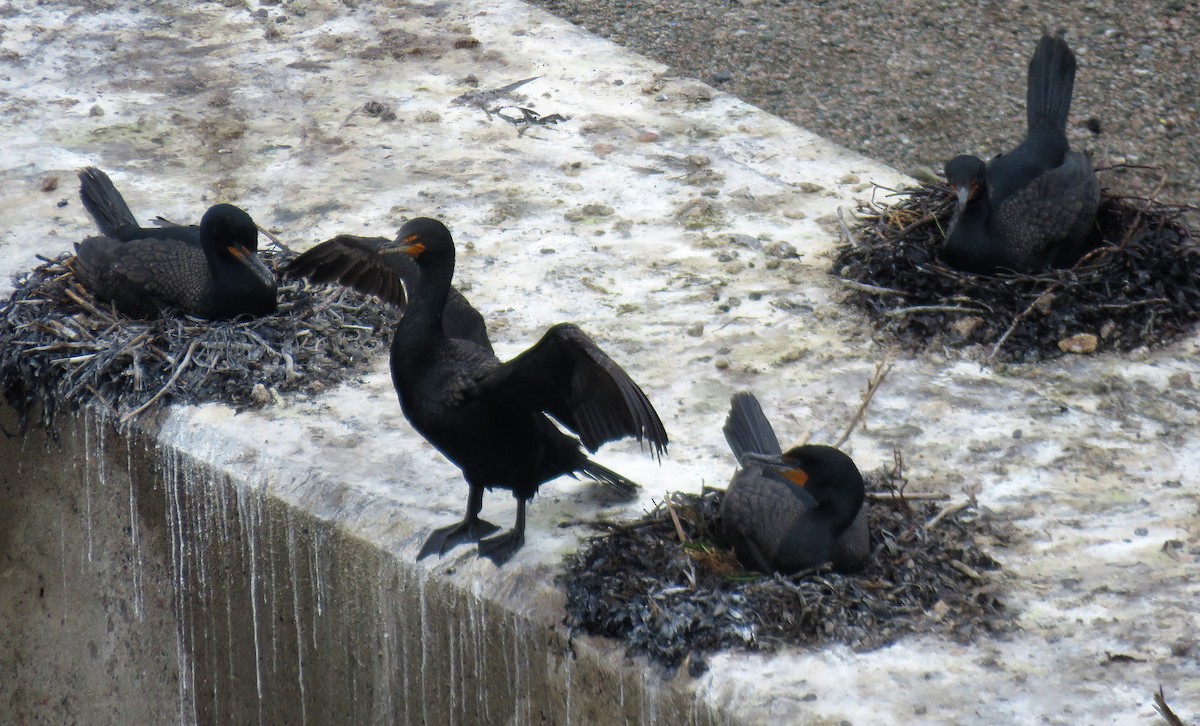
1137	286
61	348
669	598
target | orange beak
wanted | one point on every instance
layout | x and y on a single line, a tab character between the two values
796	476
412	246
240	252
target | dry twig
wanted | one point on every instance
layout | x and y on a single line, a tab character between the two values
1160	705
881	371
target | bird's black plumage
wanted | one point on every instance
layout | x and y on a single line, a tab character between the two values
789	511
491	419
210	271
1036	205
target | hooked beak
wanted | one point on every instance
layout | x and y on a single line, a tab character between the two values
412	246
243	255
793	474
240	252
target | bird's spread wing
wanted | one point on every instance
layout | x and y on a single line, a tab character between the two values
370	265
567	376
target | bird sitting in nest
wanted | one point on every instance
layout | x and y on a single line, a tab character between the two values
211	271
1034	206
787	511
491	419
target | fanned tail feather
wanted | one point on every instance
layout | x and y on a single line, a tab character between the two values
1051	84
102	200
747	429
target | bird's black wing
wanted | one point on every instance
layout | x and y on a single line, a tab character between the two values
1052	207
567	376
142	275
461	321
363	263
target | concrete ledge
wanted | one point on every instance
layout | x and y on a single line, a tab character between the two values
267	569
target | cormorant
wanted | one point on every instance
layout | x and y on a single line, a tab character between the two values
1034	206
790	511
491	419
210	271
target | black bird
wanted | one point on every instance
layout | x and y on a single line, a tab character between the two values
491	419
789	511
1036	205
211	271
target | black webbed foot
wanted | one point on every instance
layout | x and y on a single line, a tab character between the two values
502	547
445	539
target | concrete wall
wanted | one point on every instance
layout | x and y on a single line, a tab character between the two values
138	585
89	630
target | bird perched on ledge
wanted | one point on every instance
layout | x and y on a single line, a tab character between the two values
1036	205
211	271
794	510
492	419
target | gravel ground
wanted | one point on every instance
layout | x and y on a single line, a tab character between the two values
915	83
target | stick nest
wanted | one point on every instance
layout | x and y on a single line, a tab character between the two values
1137	286
62	348
674	601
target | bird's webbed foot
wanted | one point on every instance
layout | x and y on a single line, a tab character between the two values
502	547
444	539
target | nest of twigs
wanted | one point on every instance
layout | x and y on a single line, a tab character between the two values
674	600
1138	285
61	348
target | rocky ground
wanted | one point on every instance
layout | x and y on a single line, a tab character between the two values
914	82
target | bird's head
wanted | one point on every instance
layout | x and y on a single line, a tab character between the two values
968	175
824	472
424	239
231	231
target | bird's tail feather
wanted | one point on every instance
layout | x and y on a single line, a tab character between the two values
609	478
102	200
1051	83
747	429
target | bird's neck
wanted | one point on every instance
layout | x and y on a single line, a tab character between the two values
838	512
420	327
975	213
